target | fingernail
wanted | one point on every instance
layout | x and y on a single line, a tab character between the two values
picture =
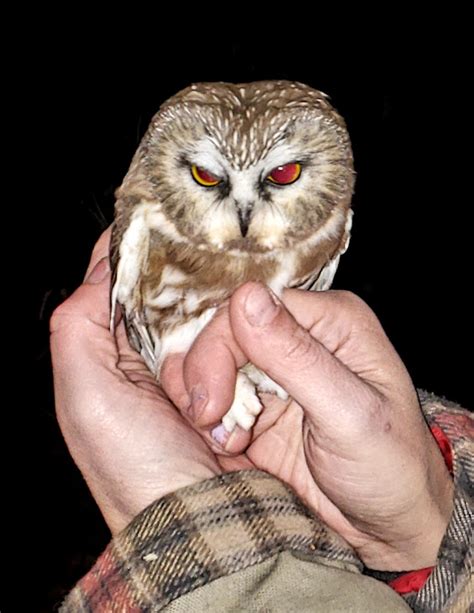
199	400
99	272
260	307
220	435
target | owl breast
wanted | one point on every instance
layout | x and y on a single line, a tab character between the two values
170	288
182	281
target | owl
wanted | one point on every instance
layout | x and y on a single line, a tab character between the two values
231	183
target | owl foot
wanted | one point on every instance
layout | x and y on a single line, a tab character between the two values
263	382
246	406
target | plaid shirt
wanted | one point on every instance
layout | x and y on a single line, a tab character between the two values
241	522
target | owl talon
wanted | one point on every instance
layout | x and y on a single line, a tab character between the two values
246	406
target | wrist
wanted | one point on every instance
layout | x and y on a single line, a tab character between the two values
121	506
420	531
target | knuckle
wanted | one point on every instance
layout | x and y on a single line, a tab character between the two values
64	314
57	317
300	347
375	415
352	301
356	308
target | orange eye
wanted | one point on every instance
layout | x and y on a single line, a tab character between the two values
284	175
204	177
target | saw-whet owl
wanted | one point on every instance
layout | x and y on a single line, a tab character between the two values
231	183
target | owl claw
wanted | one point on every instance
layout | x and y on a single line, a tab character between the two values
246	406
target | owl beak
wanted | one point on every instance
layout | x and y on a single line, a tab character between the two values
244	213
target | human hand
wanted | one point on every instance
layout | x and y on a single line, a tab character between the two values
129	442
352	443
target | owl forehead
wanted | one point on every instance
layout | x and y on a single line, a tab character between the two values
244	137
243	122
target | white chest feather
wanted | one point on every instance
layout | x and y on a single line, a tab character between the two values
285	273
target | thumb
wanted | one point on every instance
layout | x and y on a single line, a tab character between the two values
86	312
269	335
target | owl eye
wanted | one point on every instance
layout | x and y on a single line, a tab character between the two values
284	175
204	177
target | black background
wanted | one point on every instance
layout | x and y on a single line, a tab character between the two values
86	104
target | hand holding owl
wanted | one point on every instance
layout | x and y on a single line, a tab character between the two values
352	444
127	439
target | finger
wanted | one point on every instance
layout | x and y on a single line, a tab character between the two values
208	424
84	317
275	342
172	381
352	333
89	303
90	300
210	370
83	351
202	383
100	251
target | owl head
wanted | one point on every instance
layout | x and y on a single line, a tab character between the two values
255	167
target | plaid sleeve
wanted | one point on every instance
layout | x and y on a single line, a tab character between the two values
450	587
201	533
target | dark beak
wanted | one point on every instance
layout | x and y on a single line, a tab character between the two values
244	220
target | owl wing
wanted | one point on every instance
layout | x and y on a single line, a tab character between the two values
129	246
133	237
114	254
322	278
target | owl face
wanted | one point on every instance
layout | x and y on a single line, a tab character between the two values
252	167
